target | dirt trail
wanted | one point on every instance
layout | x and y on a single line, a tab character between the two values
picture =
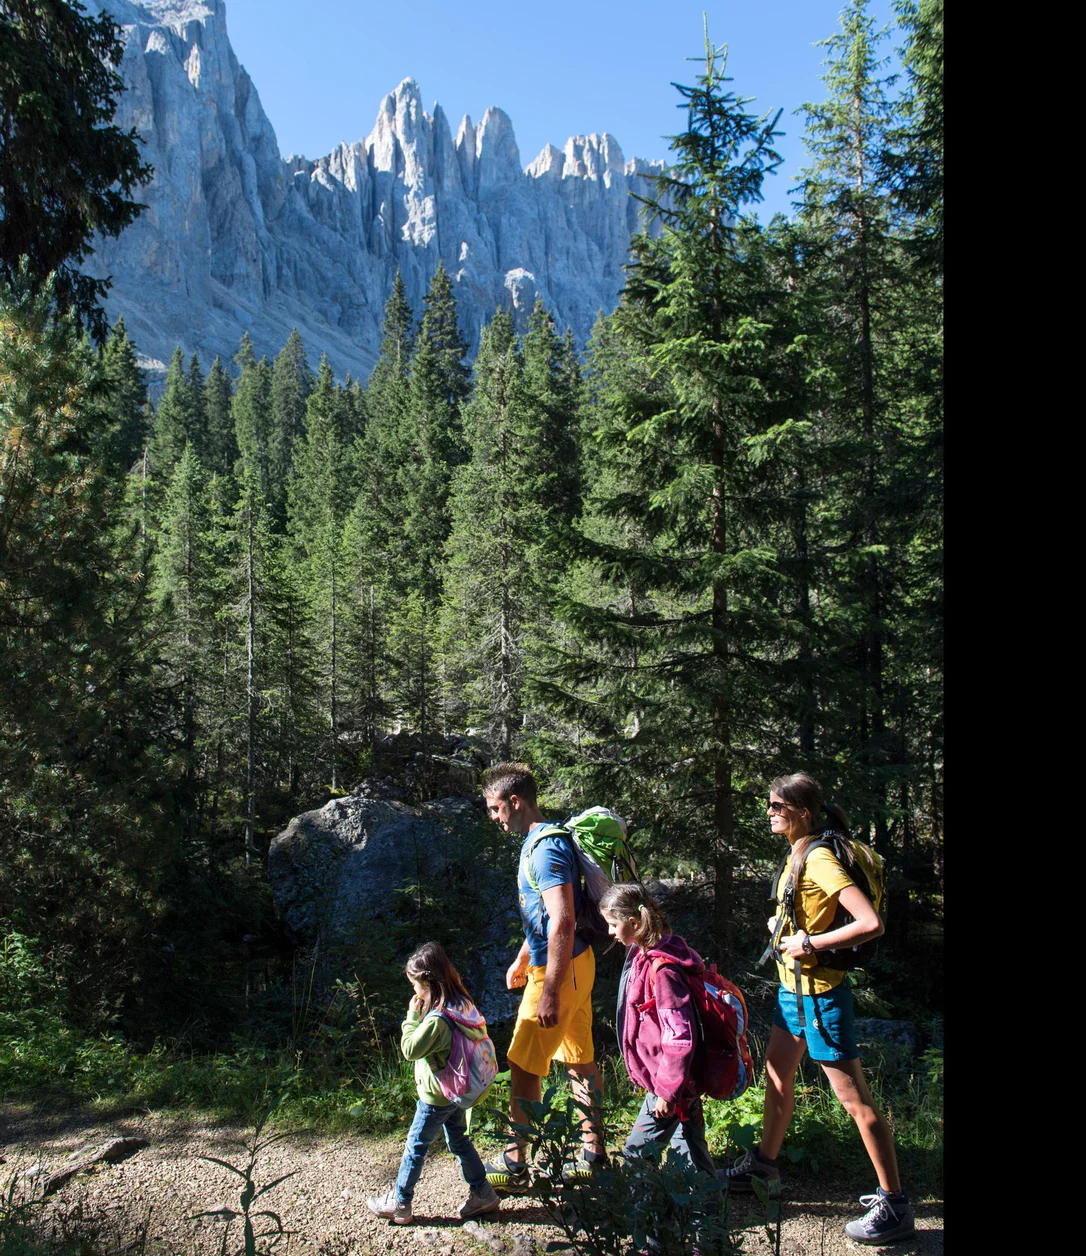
324	1205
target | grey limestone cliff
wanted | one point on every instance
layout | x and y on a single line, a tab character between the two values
237	238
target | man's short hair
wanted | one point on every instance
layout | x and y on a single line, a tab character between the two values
504	779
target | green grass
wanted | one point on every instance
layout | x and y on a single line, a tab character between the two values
61	1070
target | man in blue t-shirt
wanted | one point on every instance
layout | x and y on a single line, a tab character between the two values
555	966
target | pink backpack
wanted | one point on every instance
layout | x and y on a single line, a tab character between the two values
723	1064
473	1062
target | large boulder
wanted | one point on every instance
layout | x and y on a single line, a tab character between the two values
338	872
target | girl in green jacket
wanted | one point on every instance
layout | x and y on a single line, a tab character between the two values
427	1039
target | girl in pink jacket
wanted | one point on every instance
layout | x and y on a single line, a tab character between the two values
656	1025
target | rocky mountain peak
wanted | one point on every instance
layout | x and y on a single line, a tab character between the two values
237	238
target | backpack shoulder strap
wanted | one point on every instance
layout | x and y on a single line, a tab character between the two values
787	900
821	842
655	964
835	843
658	962
439	1014
548	830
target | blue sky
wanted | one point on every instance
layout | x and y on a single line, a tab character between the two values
558	68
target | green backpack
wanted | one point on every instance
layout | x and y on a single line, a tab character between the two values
598	838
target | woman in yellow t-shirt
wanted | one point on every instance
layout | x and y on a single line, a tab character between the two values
796	810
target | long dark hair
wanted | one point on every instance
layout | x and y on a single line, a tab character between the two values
803	791
435	970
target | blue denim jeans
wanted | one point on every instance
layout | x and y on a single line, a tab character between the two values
424	1129
654	1133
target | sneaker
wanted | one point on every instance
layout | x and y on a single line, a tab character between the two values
507	1176
387	1207
747	1167
476	1204
582	1169
885	1221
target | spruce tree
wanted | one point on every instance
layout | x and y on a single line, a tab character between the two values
292	382
295	739
913	161
915	169
495	516
320	496
251	412
67	172
174	425
252	656
128	392
198	435
386	395
383	447
553	385
222	445
184	591
372	530
354	409
519	486
85	788
432	444
672	437
848	216
366	677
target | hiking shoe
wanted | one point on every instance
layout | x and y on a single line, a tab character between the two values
507	1176
739	1176
887	1219
582	1169
387	1207
476	1204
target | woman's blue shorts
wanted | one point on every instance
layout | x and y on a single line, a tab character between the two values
837	1038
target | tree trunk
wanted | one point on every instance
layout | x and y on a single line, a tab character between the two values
723	819
333	710
806	655
250	695
873	643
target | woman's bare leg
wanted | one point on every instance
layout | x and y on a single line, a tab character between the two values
781	1061
849	1085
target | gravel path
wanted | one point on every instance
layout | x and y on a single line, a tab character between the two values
324	1205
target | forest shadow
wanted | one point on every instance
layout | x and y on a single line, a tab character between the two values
32	1124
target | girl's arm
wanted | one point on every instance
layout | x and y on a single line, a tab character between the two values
422	1036
678	1035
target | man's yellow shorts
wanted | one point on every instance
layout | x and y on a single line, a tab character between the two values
570	1041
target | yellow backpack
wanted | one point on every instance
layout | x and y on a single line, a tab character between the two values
865	866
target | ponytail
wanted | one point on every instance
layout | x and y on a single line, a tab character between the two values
836	820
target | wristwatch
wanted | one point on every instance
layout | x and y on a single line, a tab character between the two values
808	945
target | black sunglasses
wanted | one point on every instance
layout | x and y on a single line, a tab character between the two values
778	807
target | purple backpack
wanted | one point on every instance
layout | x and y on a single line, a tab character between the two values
473	1062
